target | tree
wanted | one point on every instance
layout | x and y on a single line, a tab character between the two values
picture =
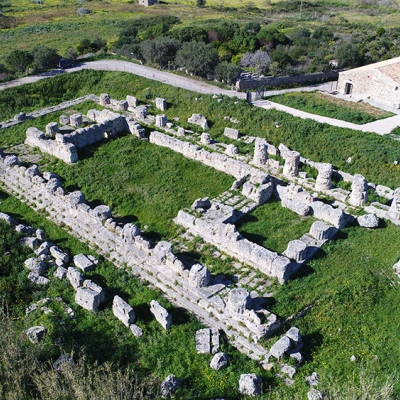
197	57
270	37
19	60
200	3
71	54
161	50
281	56
260	60
44	57
227	72
83	46
348	55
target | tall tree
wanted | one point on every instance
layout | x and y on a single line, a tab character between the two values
160	51
19	60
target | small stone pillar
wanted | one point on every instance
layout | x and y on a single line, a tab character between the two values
324	181
199	276
296	250
359	191
205	138
64	120
321	231
161	120
239	300
291	168
75	120
132	101
51	129
104	99
161	104
260	152
122	105
141	112
231	150
394	211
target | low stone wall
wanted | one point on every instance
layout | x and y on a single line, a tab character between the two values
272	81
226	238
220	162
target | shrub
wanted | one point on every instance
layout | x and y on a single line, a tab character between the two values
19	60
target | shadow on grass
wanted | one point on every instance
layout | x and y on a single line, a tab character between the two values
312	341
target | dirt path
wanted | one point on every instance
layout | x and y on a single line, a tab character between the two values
380	127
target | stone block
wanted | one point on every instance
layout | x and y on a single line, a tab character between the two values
205	138
232	133
36	333
75	278
203	341
199	276
83	263
136	330
36	265
161	104
296	250
89	296
260	152
75	120
169	386
322	231
198	119
60	273
219	361
59	255
231	150
161	314
161	120
132	101
239	300
51	129
368	221
250	385
123	311
104	99
280	347
64	120
291	167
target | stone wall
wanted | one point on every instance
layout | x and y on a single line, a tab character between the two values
272	81
220	162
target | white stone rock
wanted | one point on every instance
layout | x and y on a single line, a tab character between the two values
219	361
368	221
161	314
250	385
36	333
83	263
123	311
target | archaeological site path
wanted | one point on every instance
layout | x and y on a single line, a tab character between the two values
380	127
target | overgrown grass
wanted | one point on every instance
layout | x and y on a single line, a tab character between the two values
273	226
328	106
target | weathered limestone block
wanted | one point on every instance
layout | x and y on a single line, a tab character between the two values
7	219
25	229
199	276
296	250
314	394
239	300
54	186
238	183
201	203
260	152
260	194
51	129
161	314
101	212
160	252
76	198
231	150
359	191
132	101
232	133
291	168
44	249
295	337
136	330
161	120
75	120
394	213
141	112
123	311
59	255
36	333
10	161
31	242
83	263
219	361
20	117
37	279
135	128
327	213
181	131
250	385
60	273
40	234
322	231
198	119
32	171
313	379
288	370
203	341
129	233
280	347
368	221
169	386
384	191
89	296
205	138
324	178
161	104
36	265
122	105
64	120
75	277
104	99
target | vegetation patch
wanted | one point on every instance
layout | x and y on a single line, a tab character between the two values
273	226
329	106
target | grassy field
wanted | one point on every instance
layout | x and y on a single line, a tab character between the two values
273	226
329	106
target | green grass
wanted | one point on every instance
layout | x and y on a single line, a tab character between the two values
143	182
273	226
328	106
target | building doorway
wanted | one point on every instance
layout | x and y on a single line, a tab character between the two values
348	88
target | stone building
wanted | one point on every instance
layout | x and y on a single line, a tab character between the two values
379	82
147	3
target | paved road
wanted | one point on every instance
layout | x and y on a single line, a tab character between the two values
380	127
